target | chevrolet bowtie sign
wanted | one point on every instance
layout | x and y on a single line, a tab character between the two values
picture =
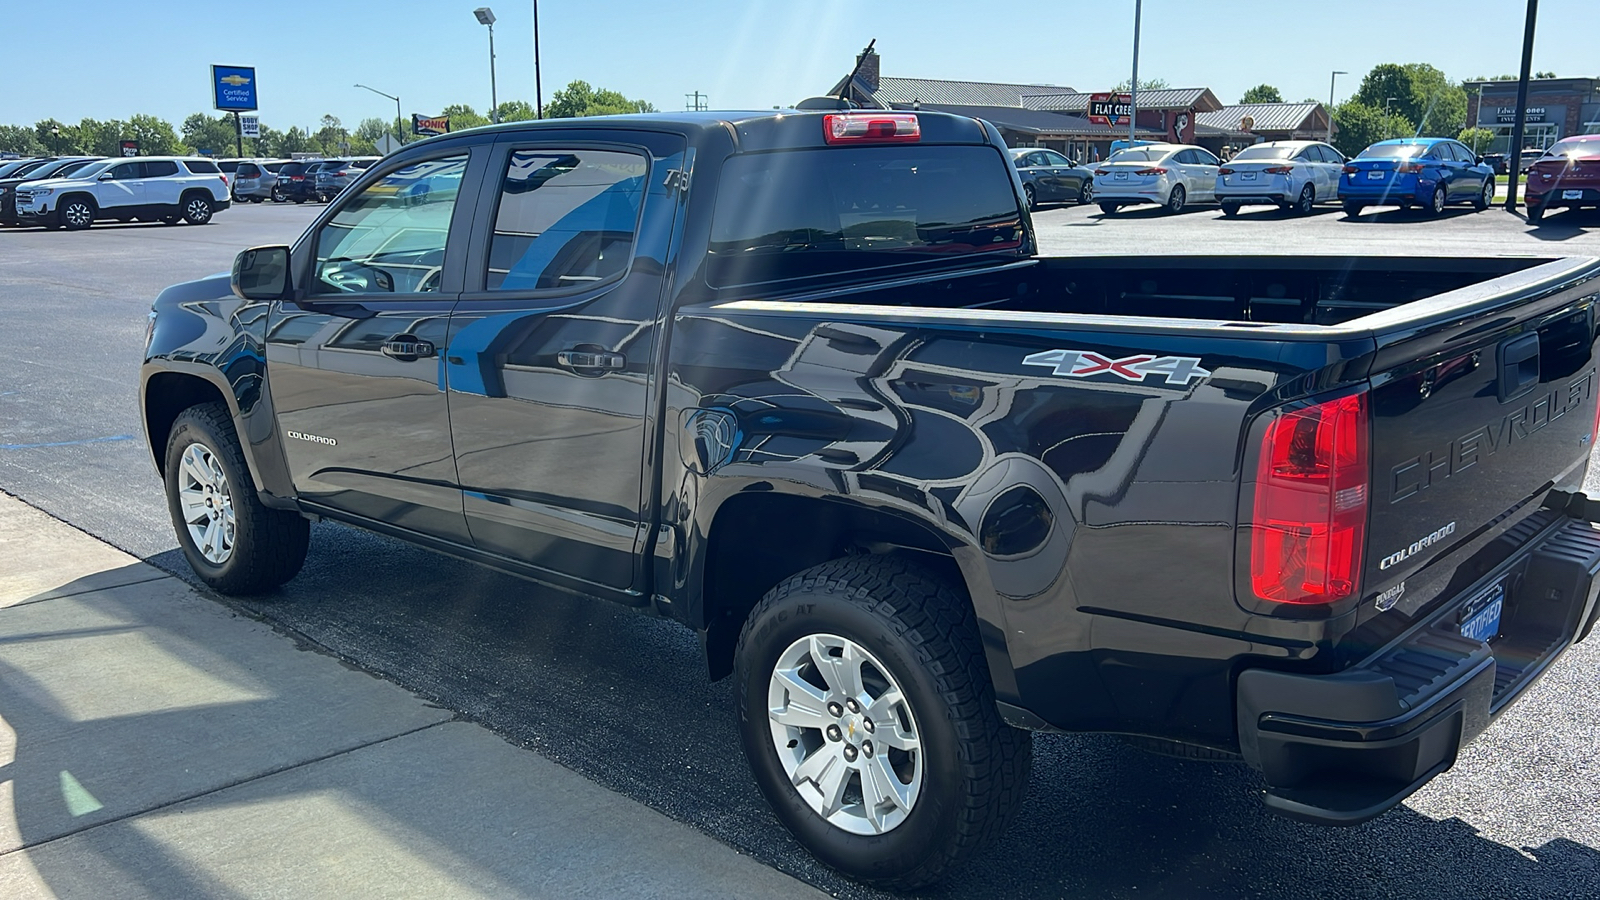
1110	109
234	88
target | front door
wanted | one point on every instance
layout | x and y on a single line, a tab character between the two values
355	375
552	349
122	186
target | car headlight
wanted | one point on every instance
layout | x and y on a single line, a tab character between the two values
42	191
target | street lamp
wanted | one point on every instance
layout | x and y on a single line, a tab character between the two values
486	17
1133	86
1331	81
538	89
1386	102
399	130
56	131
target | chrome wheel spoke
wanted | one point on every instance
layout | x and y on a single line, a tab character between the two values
882	793
842	672
828	775
804	706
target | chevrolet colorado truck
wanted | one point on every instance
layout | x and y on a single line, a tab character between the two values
801	382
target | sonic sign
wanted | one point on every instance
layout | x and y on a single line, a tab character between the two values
234	88
1110	109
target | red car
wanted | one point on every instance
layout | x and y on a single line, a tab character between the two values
1568	175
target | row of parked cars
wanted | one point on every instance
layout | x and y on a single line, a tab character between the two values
74	192
1430	173
292	180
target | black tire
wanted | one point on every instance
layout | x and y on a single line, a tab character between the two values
1535	214
1176	199
1031	195
277	196
1436	203
1353	210
269	545
76	213
1086	192
1485	197
1108	208
197	208
299	200
975	766
1306	202
1230	209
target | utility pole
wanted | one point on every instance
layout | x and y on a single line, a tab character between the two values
1331	82
1133	86
696	101
1517	129
538	87
238	135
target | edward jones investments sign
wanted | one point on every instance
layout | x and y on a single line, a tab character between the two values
234	87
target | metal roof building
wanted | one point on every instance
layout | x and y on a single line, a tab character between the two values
1270	121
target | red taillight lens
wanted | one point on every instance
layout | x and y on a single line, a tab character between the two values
1350	170
1409	168
224	178
1154	171
871	128
1309	525
1224	171
1102	171
1278	170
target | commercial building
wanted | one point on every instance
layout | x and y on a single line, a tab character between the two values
1557	108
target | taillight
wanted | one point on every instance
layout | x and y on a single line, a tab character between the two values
1278	170
1409	168
224	178
1309	524
1152	171
1350	170
865	128
1224	171
1102	171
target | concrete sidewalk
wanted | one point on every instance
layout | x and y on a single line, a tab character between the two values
153	743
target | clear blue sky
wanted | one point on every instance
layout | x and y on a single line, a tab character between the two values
750	54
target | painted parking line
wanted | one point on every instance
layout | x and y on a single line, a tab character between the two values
96	440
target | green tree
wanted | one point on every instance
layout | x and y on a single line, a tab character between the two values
98	138
462	116
1418	92
155	136
287	143
1145	84
21	139
210	134
331	135
579	99
57	137
1262	93
1476	138
516	111
1356	125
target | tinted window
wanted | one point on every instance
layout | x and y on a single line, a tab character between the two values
390	237
160	168
30	167
126	171
1391	151
9	168
246	170
566	219
1138	154
1464	153
72	168
206	166
1204	158
362	163
813	212
292	168
1055	159
273	167
227	165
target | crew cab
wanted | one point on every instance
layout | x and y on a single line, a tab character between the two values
170	189
801	382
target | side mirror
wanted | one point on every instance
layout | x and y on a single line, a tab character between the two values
105	176
261	273
1480	160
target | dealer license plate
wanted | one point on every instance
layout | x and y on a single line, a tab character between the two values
1480	618
1572	195
1375	176
1247	176
1121	176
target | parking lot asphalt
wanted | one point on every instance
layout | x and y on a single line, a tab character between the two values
623	699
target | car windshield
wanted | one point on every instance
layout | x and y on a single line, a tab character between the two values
94	168
1138	154
1265	153
12	167
1393	151
74	168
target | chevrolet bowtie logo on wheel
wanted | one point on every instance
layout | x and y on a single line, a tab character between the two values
1179	370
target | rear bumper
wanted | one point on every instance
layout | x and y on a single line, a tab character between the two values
1251	199
1340	749
1556	197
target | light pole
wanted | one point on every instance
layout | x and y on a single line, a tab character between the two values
1518	131
55	130
1331	82
399	130
486	17
1133	85
538	89
1386	102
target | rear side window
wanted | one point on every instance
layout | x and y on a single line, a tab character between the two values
160	168
203	166
226	166
801	213
272	167
566	219
246	170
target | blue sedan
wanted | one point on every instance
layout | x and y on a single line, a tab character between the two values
1426	172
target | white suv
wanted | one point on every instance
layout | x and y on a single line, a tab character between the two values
168	188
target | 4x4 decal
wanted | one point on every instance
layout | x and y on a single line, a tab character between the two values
1086	364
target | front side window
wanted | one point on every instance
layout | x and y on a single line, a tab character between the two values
390	237
126	171
566	219
1055	159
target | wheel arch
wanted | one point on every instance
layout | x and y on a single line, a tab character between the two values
167	390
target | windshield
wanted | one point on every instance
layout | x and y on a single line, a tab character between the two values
88	169
13	167
1393	151
1265	153
803	213
64	169
1138	154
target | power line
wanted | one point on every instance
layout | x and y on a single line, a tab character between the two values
696	101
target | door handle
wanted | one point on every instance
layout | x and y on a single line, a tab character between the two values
408	348
587	359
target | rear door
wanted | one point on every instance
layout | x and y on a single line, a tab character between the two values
553	346
354	360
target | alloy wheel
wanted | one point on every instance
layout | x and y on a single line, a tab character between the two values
845	734
207	504
77	214
197	211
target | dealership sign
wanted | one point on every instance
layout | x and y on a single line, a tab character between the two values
234	88
427	125
1110	109
250	126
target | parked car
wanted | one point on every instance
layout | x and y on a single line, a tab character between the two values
1049	177
57	168
166	188
1291	175
1566	177
918	490
1170	175
296	181
13	166
1427	172
336	174
255	179
1500	162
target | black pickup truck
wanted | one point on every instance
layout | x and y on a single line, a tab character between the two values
801	382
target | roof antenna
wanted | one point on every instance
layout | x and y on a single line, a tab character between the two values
859	60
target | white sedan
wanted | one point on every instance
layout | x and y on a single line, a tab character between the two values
1169	175
1293	175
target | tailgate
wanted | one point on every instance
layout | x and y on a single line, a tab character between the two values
1483	400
